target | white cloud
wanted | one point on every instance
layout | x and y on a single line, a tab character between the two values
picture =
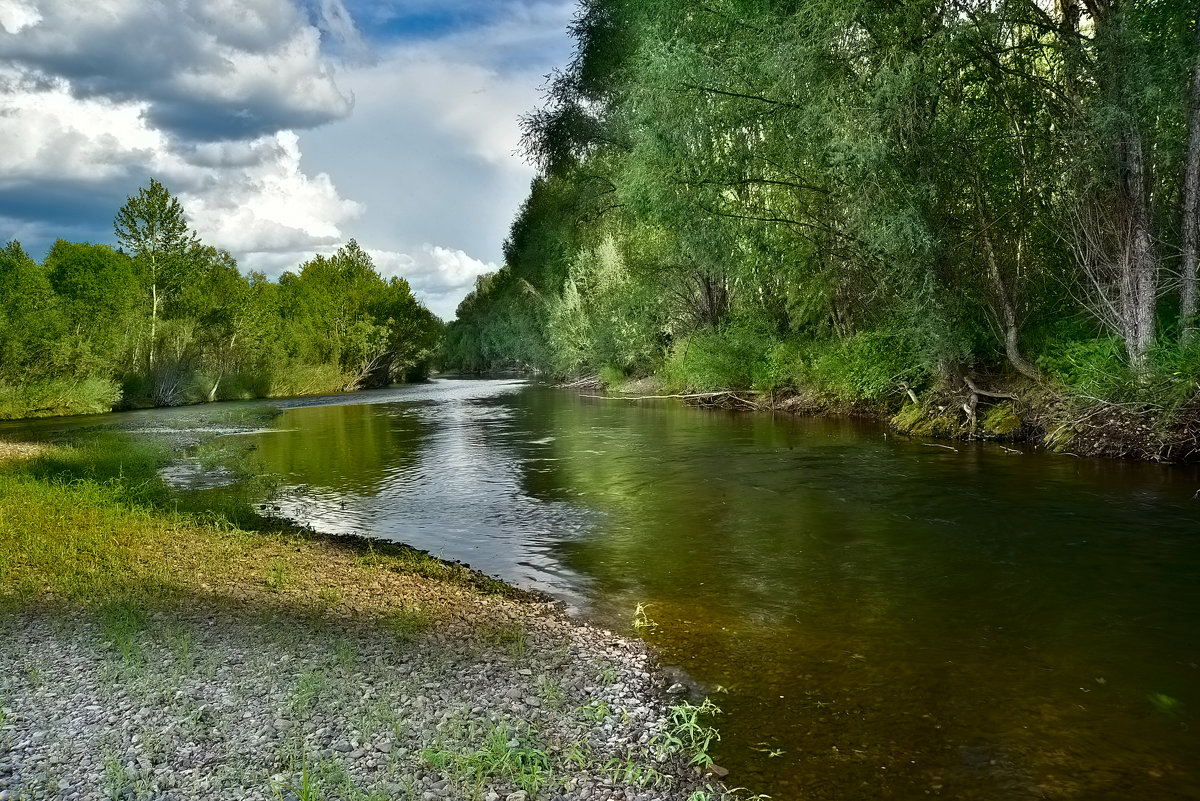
207	69
443	117
16	15
440	277
46	133
269	204
218	99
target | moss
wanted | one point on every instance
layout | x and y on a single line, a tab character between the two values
908	417
1001	420
918	421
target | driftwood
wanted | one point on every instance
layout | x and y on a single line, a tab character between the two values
973	402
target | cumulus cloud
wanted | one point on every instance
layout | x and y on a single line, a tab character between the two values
211	70
17	15
439	276
218	99
97	97
442	113
269	204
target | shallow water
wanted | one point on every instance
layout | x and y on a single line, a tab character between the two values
877	617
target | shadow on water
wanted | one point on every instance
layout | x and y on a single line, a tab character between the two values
877	617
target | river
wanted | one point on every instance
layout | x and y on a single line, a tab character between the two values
877	617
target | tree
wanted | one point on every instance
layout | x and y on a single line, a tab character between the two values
153	227
29	319
98	290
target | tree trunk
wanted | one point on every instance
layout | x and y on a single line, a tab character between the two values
153	320
1139	280
1191	209
1008	316
1138	268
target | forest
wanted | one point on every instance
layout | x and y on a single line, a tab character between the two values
166	320
918	207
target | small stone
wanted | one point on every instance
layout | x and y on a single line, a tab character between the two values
384	748
519	795
533	702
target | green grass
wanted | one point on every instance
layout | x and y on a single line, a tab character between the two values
410	622
504	756
688	734
120	623
510	635
307	689
641	620
279	576
51	397
92	522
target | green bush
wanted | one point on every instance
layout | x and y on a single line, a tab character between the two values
736	356
57	396
868	366
307	379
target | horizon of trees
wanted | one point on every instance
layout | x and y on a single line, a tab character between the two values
165	320
861	198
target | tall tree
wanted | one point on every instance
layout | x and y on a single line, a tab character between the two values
1191	201
153	227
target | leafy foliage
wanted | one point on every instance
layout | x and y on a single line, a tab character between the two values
171	320
851	196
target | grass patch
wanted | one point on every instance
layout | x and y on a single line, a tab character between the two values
688	733
121	622
409	622
503	757
93	523
510	635
278	576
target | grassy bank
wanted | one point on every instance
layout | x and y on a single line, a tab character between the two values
92	523
153	642
1153	418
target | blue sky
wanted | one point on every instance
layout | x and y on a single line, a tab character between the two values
286	127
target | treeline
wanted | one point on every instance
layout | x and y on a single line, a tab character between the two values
863	199
167	320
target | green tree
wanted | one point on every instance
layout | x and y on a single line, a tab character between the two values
153	228
99	291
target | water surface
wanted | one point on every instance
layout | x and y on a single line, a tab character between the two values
878	617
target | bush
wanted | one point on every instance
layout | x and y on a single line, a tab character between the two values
737	356
307	379
868	366
58	396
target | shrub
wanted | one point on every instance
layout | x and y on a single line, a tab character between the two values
58	396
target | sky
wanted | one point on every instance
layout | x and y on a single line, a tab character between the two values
285	127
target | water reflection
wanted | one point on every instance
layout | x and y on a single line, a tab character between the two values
879	618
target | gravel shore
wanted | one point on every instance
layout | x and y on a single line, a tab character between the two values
465	696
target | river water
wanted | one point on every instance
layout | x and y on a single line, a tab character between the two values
877	617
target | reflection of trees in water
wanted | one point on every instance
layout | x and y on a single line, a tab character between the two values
343	448
933	606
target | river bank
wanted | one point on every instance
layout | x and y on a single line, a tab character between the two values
159	655
993	409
